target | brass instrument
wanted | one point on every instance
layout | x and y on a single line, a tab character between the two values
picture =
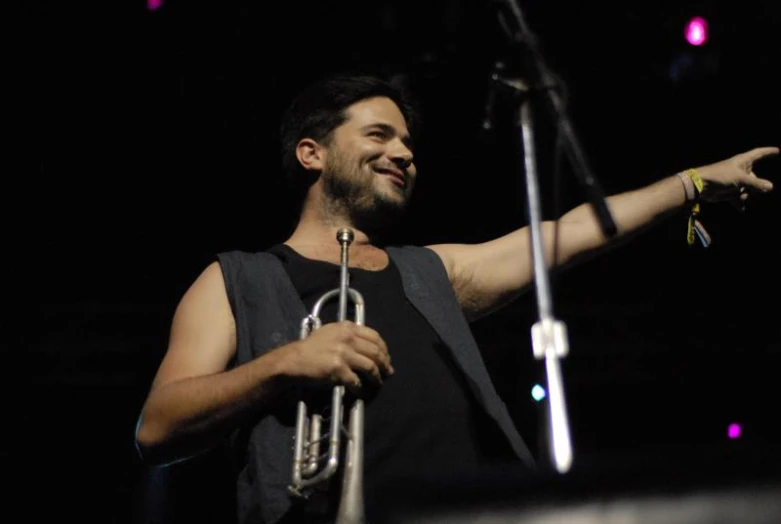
307	469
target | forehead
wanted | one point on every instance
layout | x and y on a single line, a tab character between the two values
378	110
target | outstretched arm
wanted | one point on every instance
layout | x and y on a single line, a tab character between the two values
487	276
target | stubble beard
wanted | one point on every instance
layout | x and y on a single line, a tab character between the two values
351	195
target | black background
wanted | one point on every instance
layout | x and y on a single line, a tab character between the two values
149	144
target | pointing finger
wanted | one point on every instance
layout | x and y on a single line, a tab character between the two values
761	152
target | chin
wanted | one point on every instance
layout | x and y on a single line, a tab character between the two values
382	213
394	196
396	201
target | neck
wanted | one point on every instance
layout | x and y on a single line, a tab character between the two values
319	222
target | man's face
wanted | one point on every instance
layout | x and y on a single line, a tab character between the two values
368	166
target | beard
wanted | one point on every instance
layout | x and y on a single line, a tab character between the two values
354	195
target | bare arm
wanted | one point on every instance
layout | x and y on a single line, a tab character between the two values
194	401
487	276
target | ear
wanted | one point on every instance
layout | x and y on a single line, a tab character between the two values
310	155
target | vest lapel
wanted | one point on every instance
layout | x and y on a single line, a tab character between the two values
428	289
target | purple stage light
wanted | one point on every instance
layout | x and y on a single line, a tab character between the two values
697	31
734	431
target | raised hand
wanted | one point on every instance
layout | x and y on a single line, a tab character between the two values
734	179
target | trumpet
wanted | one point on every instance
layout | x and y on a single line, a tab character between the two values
311	468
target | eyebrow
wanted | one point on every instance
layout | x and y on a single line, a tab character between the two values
387	128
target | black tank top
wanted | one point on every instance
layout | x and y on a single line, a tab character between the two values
422	422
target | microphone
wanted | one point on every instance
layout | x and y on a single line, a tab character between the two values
500	90
488	122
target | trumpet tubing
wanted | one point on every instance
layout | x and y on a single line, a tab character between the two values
311	468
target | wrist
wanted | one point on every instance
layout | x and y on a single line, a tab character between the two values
690	191
693	187
284	366
273	371
693	176
693	184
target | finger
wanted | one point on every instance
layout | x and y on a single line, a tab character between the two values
753	181
768	183
366	341
352	382
351	329
375	352
344	375
373	337
761	152
364	365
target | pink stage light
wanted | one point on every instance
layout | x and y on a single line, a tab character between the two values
734	431
154	5
697	31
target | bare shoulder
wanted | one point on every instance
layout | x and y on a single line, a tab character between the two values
210	284
203	334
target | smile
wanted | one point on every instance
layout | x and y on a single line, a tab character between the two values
397	177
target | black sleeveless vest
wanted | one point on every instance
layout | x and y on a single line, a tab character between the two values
268	311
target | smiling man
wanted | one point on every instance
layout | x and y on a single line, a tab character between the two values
361	174
235	363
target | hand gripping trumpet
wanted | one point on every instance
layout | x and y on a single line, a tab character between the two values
310	467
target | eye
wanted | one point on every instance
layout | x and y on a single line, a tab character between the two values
378	133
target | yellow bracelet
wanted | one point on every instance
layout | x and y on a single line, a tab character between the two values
695	228
695	177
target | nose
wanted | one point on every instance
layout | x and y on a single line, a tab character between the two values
401	156
402	162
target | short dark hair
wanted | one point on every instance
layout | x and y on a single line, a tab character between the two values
320	108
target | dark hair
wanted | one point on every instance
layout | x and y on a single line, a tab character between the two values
320	108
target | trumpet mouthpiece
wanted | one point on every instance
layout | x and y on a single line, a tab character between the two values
345	235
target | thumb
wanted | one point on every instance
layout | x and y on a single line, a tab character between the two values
753	181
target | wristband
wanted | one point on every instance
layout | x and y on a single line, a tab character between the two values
688	186
695	230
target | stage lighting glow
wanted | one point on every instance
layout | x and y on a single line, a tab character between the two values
154	5
697	31
734	431
538	392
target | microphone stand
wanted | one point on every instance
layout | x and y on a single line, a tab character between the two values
548	334
547	84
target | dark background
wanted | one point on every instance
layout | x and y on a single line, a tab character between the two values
149	145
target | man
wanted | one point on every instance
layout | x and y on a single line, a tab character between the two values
234	364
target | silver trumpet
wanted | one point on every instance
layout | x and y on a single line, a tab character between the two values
310	467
